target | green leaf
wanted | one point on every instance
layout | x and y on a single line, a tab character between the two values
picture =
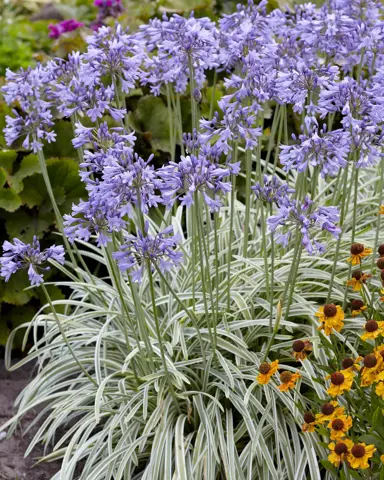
55	294
9	199
7	157
3	176
152	119
63	145
25	225
13	291
329	466
29	166
11	320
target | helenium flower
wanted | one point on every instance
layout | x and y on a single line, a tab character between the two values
19	255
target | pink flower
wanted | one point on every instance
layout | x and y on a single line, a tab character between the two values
56	30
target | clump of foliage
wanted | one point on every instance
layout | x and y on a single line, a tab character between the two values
218	336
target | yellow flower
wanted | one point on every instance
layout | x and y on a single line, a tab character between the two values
288	380
339	426
331	318
339	451
301	349
381	210
373	365
380	390
358	251
357	280
329	411
309	422
359	455
352	364
382	458
266	371
340	382
372	330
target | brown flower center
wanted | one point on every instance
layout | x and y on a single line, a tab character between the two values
309	417
285	377
370	361
380	263
337	424
382	354
357	304
327	409
298	346
347	363
381	250
341	448
358	451
357	275
330	310
371	326
265	368
337	378
357	248
382	275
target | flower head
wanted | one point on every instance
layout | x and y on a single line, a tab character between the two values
329	411
373	329
301	348
288	380
357	306
309	422
339	451
56	30
359	455
340	382
158	250
266	371
339	426
19	255
273	190
357	280
306	218
331	317
358	251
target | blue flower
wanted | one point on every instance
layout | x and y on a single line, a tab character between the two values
158	250
19	255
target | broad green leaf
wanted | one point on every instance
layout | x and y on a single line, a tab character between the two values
29	166
12	319
63	144
151	117
13	291
24	225
7	157
9	199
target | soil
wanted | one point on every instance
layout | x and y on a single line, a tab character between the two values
13	465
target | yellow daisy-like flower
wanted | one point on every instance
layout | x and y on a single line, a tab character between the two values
309	422
352	364
373	365
357	280
339	426
358	251
340	382
331	317
373	329
380	390
266	371
381	210
329	411
339	451
288	380
301	348
382	458
357	306
359	455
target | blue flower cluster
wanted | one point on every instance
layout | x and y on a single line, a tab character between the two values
19	255
326	65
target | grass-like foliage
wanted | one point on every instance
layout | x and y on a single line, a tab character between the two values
177	357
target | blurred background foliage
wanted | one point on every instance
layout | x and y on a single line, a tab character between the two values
25	209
